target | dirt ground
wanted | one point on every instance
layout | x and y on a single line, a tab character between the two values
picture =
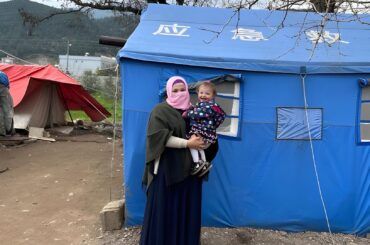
53	193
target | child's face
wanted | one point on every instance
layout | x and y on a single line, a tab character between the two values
205	93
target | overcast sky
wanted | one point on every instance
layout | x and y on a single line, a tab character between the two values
53	3
57	4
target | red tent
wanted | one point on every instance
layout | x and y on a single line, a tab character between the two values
26	82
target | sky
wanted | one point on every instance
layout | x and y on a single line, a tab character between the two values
52	3
57	4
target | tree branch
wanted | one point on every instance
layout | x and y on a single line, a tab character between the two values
120	6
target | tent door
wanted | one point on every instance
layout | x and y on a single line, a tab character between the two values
41	107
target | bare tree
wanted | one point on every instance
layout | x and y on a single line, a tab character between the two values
136	6
322	6
327	9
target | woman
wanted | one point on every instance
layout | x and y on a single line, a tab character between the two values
173	208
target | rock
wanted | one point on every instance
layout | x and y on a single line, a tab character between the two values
112	215
244	238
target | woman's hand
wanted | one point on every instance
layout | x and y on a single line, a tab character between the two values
196	142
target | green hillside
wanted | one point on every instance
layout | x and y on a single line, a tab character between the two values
50	37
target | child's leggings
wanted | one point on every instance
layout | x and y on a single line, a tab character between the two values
195	153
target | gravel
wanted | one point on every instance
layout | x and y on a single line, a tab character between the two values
239	236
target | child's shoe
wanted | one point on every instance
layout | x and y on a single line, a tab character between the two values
197	167
207	166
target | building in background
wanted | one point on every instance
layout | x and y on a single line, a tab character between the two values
77	65
7	60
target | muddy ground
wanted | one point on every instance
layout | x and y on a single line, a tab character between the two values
53	193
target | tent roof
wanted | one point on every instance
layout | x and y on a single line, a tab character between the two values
206	37
75	96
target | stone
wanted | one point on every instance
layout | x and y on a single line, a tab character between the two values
112	215
36	132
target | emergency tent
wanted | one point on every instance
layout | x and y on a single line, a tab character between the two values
42	94
294	151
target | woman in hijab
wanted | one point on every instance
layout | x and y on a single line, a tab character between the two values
173	209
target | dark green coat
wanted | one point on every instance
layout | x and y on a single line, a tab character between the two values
164	122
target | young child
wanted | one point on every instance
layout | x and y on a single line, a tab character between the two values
205	117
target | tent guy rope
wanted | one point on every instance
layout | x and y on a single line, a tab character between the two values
303	76
114	133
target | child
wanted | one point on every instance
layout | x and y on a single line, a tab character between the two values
205	117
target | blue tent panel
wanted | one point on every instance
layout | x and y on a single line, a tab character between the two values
212	37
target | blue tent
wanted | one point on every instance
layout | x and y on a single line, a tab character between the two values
294	151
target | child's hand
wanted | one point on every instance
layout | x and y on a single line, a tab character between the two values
184	114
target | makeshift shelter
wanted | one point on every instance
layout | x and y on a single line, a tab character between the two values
294	152
42	94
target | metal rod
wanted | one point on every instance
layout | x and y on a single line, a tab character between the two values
112	41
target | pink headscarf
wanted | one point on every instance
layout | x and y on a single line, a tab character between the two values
179	100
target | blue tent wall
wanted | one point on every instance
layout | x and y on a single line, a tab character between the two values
257	180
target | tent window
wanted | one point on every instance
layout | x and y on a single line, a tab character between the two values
292	123
365	114
228	97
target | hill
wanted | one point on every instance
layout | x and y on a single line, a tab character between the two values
50	37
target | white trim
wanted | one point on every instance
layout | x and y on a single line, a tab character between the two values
233	131
235	109
237	90
234	122
226	94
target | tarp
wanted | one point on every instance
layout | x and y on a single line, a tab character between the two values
214	37
73	95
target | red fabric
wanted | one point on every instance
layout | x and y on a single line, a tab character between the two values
74	95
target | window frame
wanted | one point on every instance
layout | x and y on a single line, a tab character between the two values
363	83
303	108
233	97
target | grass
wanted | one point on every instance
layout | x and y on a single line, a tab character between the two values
107	103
